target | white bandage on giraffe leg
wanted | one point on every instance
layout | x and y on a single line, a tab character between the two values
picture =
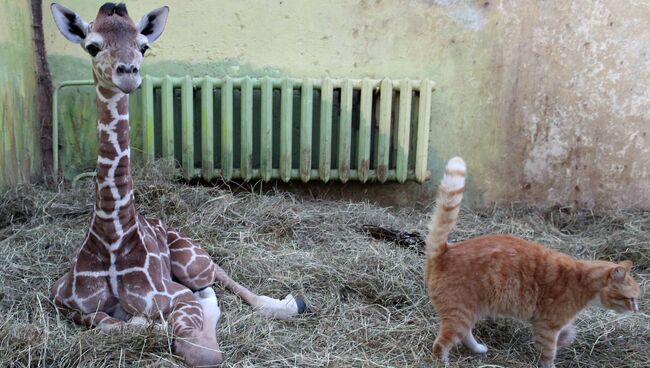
210	306
281	309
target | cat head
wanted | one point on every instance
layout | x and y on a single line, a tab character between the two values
621	291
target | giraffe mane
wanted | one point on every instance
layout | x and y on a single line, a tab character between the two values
109	9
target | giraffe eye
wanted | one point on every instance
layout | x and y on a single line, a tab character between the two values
93	49
144	49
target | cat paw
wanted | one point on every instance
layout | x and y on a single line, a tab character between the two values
479	349
198	352
441	353
473	345
445	360
567	335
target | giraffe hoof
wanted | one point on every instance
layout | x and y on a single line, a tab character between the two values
195	354
302	306
281	309
137	323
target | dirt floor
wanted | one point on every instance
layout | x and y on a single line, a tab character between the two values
372	309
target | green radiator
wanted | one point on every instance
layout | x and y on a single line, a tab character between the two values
285	128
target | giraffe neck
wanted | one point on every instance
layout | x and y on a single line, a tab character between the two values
114	214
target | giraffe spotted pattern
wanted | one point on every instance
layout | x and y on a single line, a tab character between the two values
124	267
130	269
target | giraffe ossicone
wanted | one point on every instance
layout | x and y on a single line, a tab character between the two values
129	269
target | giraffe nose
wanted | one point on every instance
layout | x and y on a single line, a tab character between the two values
127	69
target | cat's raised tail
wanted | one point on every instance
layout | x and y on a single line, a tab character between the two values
450	194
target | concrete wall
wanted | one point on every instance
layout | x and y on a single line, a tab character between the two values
574	101
19	150
546	100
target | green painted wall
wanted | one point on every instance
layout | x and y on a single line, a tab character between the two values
546	101
19	151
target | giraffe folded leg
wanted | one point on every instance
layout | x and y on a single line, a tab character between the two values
99	320
194	268
195	331
108	324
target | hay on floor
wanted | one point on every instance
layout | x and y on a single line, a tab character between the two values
372	307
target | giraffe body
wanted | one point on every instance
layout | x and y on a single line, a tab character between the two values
130	269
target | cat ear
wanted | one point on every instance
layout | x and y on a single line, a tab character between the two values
627	265
617	273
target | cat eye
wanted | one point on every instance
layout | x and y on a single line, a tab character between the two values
624	301
144	49
93	49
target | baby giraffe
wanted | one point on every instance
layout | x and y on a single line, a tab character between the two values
502	275
128	268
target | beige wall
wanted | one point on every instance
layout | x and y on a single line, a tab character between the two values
546	100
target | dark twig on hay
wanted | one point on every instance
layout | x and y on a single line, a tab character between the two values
410	240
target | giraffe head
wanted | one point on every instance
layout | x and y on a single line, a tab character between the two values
114	42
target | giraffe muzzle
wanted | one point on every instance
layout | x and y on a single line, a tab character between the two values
127	77
127	69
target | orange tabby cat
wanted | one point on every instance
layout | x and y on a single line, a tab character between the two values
502	275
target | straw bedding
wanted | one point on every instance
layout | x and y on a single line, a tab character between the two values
372	309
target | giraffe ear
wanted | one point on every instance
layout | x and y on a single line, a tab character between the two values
153	23
69	23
